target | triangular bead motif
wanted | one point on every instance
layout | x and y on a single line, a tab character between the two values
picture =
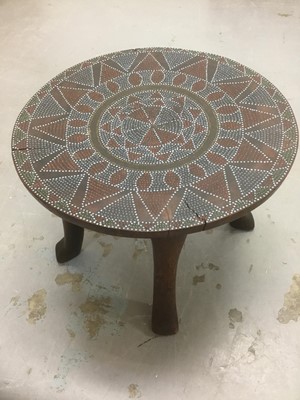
153	140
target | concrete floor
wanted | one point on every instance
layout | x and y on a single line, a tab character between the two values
81	331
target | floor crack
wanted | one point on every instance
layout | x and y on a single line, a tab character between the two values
146	341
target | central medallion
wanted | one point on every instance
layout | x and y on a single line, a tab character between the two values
153	127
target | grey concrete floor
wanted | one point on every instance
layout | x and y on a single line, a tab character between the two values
82	330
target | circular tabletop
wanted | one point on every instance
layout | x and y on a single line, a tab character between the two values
153	140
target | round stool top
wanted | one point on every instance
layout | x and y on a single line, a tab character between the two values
151	140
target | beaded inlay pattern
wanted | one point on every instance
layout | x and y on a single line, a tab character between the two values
151	140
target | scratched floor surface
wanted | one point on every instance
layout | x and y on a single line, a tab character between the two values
82	330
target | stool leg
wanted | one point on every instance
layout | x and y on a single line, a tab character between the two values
245	223
70	245
166	252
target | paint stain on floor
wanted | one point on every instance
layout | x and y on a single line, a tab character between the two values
198	279
291	306
68	361
71	333
251	349
94	310
285	15
97	235
213	267
234	316
15	301
133	391
37	306
140	246
38	238
106	248
210	266
68	278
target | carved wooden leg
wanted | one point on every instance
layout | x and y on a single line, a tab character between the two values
70	245
245	223
166	252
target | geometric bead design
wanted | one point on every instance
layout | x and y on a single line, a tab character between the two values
155	139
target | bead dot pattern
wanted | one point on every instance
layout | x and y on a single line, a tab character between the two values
158	139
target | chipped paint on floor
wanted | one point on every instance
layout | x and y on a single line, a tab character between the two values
210	266
70	360
106	248
134	391
291	306
94	310
235	316
15	301
198	279
37	306
71	333
96	235
285	15
100	311
74	279
38	238
140	247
